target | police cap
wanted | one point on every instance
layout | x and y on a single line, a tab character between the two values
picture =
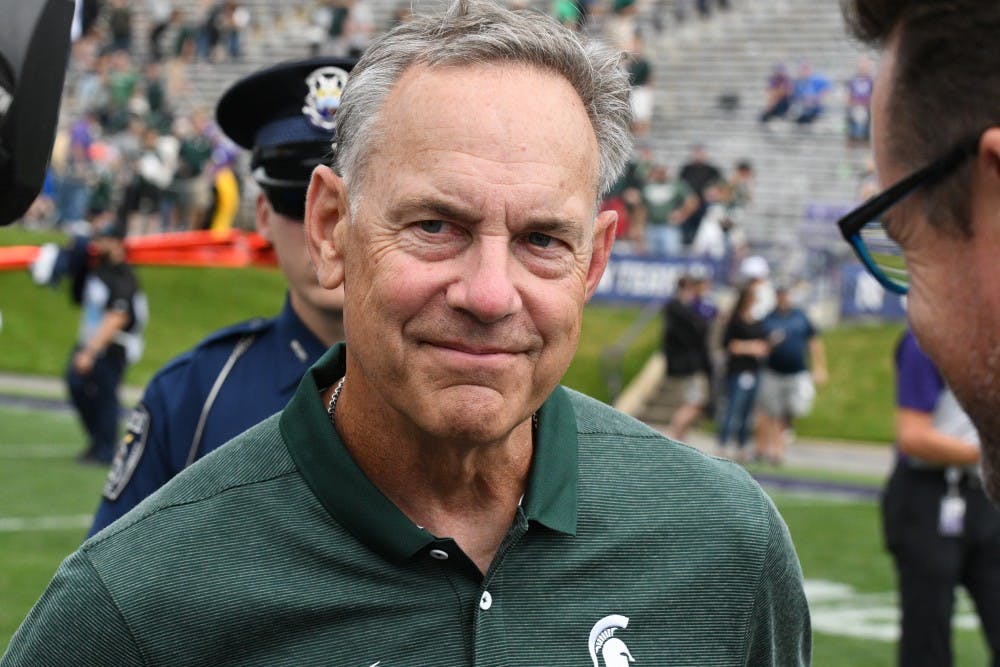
286	115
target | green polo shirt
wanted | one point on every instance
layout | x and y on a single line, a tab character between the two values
277	550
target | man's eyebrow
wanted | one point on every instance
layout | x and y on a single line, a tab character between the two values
559	227
435	206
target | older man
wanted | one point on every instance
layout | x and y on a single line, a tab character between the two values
431	495
935	231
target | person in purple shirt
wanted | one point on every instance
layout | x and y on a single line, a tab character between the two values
779	94
939	525
859	102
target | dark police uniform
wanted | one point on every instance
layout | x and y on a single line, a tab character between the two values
243	374
99	290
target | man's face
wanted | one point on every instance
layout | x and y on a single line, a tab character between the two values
954	299
288	240
472	250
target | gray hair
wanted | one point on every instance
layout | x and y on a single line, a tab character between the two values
479	32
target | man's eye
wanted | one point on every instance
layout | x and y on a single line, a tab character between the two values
432	226
540	240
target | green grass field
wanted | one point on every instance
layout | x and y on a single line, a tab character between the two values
47	498
39	327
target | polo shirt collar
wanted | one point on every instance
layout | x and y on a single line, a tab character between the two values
362	509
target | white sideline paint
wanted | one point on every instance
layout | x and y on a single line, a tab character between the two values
15	524
28	452
837	609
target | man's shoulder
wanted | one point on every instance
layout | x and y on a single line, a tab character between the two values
623	457
196	498
596	417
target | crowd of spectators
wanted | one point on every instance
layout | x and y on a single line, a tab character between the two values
699	212
803	99
134	148
126	155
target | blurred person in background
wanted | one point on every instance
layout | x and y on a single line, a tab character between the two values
642	98
755	271
113	316
745	344
685	346
700	175
796	364
779	94
809	92
160	13
236	377
720	235
939	526
668	202
859	103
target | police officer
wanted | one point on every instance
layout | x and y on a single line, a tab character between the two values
113	313
242	374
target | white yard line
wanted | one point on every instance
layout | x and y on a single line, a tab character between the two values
13	524
27	452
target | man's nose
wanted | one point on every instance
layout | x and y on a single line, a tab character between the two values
485	287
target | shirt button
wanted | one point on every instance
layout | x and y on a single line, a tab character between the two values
439	554
486	601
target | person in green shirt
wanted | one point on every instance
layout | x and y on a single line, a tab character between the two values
668	203
431	495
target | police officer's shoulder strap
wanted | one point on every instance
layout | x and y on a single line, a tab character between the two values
244	343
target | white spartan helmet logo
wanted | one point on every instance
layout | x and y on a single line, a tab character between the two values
325	86
603	641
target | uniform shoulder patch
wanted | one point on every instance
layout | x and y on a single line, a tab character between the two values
129	452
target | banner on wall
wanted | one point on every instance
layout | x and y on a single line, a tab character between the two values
862	296
639	278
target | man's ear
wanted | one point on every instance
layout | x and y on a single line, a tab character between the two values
326	220
262	218
605	225
989	151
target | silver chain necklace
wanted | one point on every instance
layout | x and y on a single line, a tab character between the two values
331	407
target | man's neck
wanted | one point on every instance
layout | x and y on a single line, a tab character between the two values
326	325
465	491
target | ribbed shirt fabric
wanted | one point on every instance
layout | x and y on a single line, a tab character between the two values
277	550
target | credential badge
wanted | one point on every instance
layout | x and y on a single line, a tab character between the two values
613	651
325	85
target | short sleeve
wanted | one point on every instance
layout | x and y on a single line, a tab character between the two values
811	331
918	383
122	289
780	631
76	622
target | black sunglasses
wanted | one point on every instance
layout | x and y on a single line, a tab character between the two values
866	234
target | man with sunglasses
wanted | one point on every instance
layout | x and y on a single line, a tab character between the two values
934	233
242	374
